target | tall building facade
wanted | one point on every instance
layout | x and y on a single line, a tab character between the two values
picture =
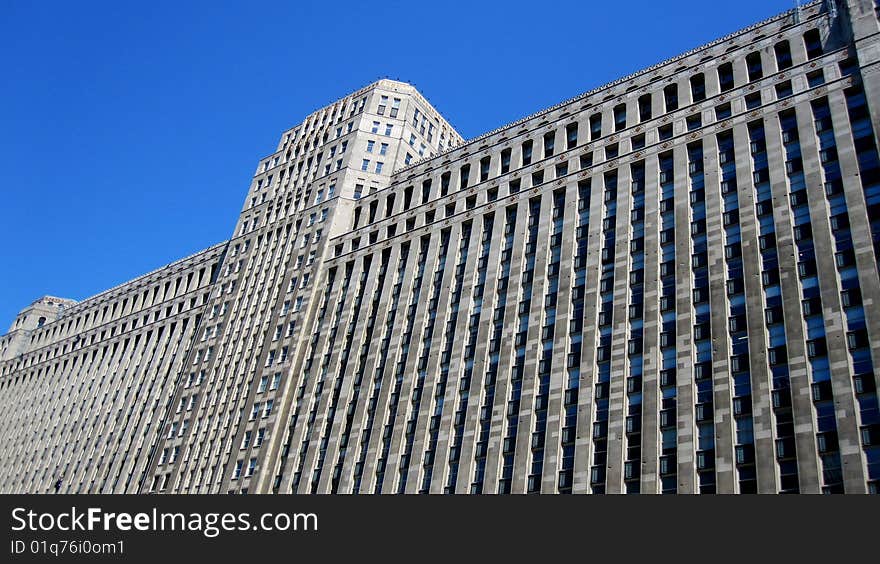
667	284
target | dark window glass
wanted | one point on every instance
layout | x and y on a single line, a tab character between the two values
813	43
670	97
783	55
698	87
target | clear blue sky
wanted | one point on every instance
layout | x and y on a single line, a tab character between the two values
129	131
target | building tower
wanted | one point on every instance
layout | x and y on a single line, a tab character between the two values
249	362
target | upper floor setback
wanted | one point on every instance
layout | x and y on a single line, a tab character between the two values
376	132
379	98
753	67
372	132
794	66
321	143
122	308
756	37
41	311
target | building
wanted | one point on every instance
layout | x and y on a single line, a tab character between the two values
666	284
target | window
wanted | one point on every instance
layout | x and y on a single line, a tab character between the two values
595	126
370	145
670	97
383	148
388	128
611	151
379	166
698	87
722	111
375	128
806	268
848	66
803	232
783	89
549	142
505	161
619	117
772	315
444	183
526	153
857	339
586	160
828	155
383	102
571	135
813	44
753	65
777	355
637	142
816	78
645	107
276	381
365	165
395	107
783	55
725	77
851	297
753	100
267	410
845	258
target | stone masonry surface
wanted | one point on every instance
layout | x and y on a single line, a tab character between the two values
668	284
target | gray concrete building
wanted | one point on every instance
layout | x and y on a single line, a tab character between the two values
668	284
